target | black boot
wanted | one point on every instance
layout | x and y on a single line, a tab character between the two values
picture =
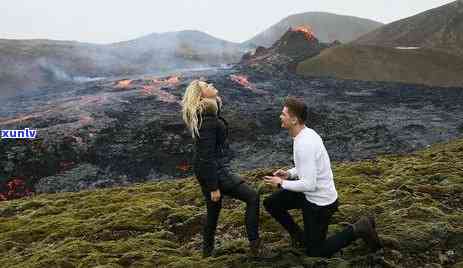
208	247
297	243
207	252
297	240
365	228
254	247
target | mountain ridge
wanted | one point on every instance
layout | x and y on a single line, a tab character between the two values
327	26
426	48
438	28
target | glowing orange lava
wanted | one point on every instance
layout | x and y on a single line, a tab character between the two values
124	84
242	80
307	30
156	91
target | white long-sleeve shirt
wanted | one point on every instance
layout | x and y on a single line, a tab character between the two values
313	167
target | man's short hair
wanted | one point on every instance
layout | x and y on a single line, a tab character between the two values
296	107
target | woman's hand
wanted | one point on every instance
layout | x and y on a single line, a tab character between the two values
215	195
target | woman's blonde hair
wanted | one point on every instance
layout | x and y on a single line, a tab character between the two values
193	106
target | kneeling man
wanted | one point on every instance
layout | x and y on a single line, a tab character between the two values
313	192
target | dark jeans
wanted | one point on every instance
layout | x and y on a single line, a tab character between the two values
242	192
316	221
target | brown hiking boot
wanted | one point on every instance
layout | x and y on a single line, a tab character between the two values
257	249
365	229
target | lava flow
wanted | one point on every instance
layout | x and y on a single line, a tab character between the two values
162	95
124	84
242	80
307	30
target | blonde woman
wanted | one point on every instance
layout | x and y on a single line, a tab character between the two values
201	113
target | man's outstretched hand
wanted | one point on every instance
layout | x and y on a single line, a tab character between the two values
282	174
273	180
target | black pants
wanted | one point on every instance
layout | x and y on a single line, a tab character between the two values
316	221
242	192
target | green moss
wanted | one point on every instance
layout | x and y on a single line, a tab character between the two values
417	200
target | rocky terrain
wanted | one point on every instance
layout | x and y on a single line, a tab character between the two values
120	131
294	46
417	200
109	132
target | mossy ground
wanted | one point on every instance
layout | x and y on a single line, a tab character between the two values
417	200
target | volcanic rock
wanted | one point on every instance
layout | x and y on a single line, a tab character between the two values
293	47
114	132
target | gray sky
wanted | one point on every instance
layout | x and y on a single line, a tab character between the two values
105	21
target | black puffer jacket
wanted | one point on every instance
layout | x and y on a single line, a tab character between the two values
211	149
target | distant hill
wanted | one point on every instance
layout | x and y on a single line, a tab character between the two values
431	51
421	66
439	28
36	63
175	49
172	41
327	27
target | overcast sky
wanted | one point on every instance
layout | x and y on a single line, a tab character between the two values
105	21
